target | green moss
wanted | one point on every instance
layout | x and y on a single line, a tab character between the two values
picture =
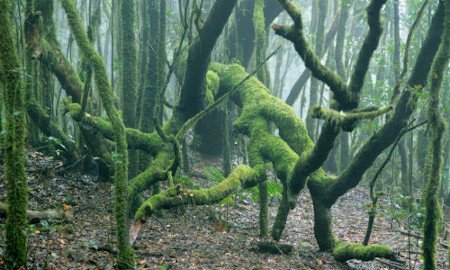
212	86
13	144
347	251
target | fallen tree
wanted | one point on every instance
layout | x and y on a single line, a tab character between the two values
34	216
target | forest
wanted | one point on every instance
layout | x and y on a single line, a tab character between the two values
224	134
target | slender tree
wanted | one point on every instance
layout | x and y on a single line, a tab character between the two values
125	256
129	73
14	143
435	152
263	76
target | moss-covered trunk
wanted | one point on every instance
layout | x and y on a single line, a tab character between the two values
129	74
262	74
46	77
129	64
436	121
14	144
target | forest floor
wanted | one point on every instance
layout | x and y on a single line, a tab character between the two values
206	237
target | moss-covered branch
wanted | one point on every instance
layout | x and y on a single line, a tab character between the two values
341	118
148	142
368	48
156	172
347	251
347	96
295	33
48	52
177	196
306	74
312	61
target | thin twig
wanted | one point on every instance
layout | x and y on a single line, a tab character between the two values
407	48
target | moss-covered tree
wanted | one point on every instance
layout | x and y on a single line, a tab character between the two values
435	151
125	257
13	144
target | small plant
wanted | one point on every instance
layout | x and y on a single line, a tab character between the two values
213	174
273	188
402	207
